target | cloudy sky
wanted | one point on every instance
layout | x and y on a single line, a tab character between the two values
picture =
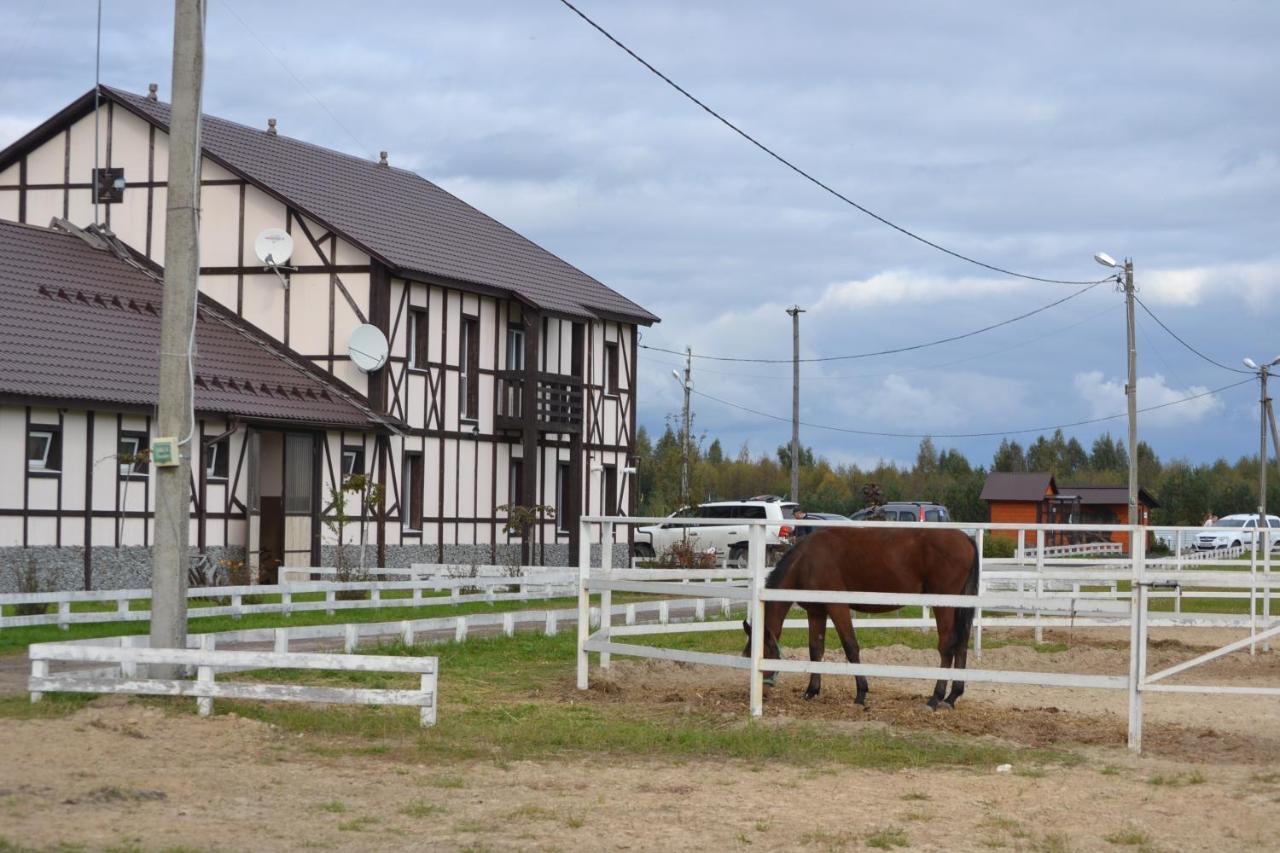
1026	135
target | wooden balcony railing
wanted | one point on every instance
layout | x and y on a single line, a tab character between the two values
557	402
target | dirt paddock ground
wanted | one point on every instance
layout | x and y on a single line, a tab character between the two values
130	775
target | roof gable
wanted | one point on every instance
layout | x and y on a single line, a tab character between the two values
407	222
1018	486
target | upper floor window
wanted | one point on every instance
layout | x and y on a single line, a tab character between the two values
610	368
469	369
131	454
515	348
418	339
215	459
44	449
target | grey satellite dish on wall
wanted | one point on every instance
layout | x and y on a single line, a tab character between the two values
368	348
274	247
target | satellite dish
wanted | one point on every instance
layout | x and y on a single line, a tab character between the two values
368	348
273	247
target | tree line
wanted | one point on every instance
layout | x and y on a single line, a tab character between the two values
1187	493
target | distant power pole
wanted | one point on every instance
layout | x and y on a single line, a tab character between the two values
795	311
687	384
170	556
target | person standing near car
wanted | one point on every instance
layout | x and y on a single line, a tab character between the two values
801	530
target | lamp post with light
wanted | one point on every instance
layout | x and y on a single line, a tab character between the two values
1268	416
1124	279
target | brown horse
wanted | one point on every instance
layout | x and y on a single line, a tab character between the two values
876	559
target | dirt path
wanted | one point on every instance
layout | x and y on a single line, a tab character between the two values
121	774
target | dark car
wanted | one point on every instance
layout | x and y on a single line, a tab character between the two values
907	511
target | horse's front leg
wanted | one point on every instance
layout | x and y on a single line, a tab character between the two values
945	620
817	646
842	617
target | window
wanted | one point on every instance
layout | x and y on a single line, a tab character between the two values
575	360
611	368
515	482
44	449
411	492
418	340
610	490
215	459
299	460
562	497
469	369
515	348
352	461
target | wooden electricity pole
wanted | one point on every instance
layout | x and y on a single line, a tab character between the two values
170	555
795	311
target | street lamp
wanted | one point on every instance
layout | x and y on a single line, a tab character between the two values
1124	279
1268	415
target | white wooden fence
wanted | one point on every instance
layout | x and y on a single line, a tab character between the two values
124	676
539	583
1094	598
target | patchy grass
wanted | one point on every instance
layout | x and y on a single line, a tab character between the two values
1177	780
886	839
1128	837
20	707
915	796
421	809
333	807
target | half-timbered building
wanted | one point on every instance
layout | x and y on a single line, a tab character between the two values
511	377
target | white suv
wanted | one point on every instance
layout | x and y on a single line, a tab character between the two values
1234	531
725	538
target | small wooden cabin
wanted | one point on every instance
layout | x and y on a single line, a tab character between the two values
1035	498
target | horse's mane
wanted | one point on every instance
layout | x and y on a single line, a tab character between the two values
780	571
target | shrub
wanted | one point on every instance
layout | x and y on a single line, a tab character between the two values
998	546
29	581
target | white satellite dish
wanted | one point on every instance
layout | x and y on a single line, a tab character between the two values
274	247
368	348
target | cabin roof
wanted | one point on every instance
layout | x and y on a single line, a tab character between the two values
1018	486
407	222
82	324
1106	495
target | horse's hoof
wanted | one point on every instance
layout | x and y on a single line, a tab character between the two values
945	706
810	694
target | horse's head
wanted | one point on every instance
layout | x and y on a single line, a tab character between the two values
771	649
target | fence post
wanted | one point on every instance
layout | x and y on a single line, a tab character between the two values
509	624
1039	583
350	637
1253	593
128	668
606	595
406	632
584	600
755	560
664	612
700	609
282	641
977	612
460	630
122	608
552	628
39	669
286	603
631	614
1266	590
329	598
64	615
1137	639
237	606
204	704
726	608
427	713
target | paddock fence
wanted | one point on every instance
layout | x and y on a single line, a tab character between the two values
1034	589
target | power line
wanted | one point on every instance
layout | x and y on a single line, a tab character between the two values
993	434
364	150
1175	336
806	175
895	350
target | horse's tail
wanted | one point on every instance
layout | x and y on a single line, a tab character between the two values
964	615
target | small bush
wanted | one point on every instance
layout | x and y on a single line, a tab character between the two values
998	546
28	578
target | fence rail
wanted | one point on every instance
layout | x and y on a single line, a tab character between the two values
208	662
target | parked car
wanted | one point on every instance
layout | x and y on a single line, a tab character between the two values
908	511
1235	531
725	538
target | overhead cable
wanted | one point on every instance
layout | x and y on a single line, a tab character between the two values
992	434
1177	338
895	350
809	177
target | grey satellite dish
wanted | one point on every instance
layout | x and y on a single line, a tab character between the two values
274	247
368	348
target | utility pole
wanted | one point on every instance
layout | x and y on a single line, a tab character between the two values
795	311
687	384
169	555
1264	409
1131	392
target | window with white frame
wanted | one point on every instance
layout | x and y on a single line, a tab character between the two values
352	461
515	348
131	454
44	449
215	459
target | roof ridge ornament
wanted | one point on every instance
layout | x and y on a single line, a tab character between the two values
271	127
151	91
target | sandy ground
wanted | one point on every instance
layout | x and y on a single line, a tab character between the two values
122	773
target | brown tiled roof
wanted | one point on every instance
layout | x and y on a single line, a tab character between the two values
1106	495
1017	486
400	217
81	325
